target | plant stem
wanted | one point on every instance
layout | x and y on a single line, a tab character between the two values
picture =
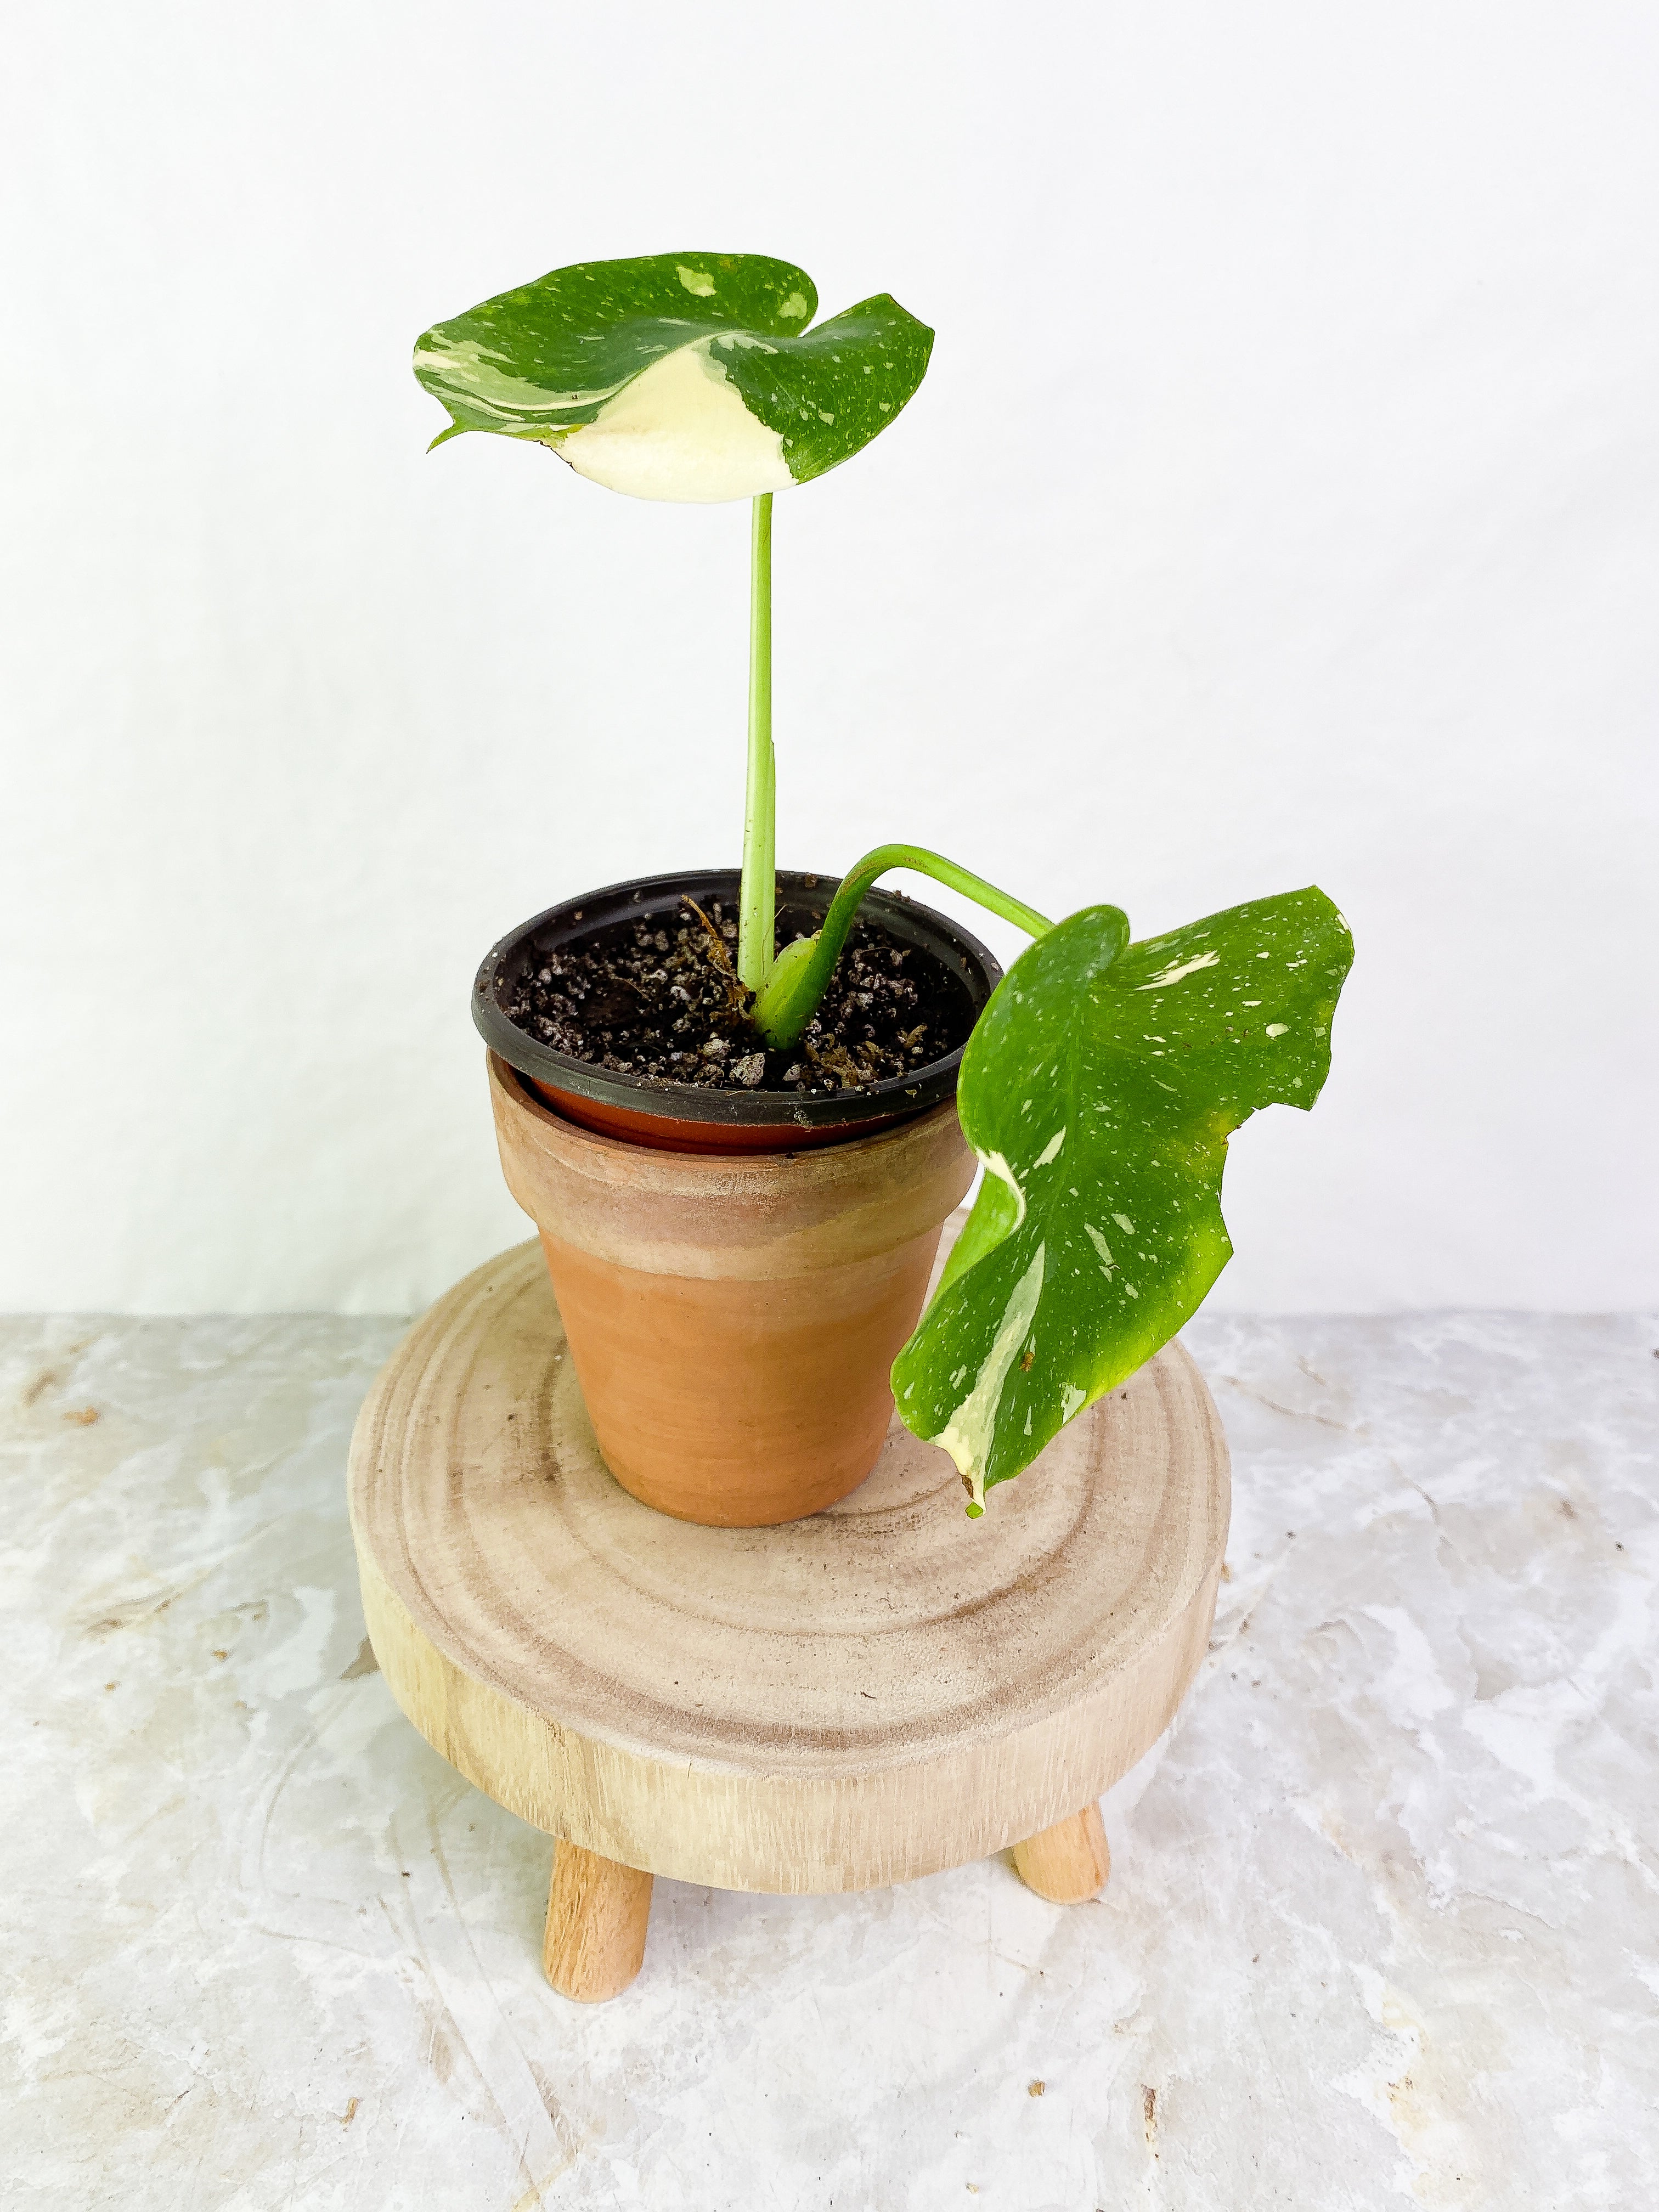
756	924
803	972
859	877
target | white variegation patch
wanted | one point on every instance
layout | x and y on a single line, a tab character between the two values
474	370
679	431
967	1435
995	1164
1177	969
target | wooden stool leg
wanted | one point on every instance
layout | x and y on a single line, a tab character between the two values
1069	1863
597	1913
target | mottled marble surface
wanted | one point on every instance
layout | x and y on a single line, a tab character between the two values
1381	1931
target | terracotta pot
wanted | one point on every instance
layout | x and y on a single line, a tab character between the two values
733	1318
682	1116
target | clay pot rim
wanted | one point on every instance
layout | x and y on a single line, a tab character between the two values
897	1098
690	1175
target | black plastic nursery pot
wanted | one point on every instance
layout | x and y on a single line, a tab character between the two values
682	1117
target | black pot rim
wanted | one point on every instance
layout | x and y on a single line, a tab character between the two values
895	1097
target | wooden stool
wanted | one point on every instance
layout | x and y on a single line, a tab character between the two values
879	1691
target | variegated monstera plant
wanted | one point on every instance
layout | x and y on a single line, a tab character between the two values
1102	1080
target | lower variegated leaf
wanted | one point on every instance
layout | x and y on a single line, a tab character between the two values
1099	1089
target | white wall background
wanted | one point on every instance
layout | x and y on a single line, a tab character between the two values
1280	507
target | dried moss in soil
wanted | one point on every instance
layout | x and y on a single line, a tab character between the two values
660	998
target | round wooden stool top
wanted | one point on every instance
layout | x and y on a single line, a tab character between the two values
871	1694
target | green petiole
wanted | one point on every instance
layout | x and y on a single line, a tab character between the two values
758	902
788	989
801	973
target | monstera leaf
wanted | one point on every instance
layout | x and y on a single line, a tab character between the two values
678	376
1098	1088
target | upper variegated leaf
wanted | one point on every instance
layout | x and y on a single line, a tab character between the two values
678	376
1098	1088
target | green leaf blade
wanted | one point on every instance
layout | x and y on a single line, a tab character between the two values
1099	1089
830	392
548	355
679	376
